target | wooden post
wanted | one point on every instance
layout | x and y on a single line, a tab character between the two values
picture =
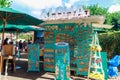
1	63
4	24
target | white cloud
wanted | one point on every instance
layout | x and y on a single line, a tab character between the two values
76	2
36	13
39	4
114	8
115	1
33	7
71	3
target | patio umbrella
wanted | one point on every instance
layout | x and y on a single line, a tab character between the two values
11	16
19	28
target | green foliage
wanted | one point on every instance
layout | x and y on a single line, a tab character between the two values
108	19
116	20
26	37
111	18
96	10
5	3
110	42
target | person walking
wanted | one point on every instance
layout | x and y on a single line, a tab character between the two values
20	45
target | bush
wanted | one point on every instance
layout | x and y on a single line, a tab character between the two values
110	43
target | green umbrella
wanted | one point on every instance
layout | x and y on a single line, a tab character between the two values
27	28
20	28
40	29
10	16
18	18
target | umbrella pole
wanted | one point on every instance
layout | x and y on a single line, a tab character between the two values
4	24
11	35
2	41
16	34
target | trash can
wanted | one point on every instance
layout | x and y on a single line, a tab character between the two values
62	61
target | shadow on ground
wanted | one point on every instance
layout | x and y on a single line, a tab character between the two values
22	71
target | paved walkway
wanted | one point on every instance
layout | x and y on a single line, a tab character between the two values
22	74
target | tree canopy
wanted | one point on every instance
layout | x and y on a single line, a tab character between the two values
5	3
111	18
115	20
96	10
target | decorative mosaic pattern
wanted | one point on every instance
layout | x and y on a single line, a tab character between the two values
62	61
33	57
49	37
82	52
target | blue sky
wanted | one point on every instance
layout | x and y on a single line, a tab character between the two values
33	7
